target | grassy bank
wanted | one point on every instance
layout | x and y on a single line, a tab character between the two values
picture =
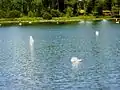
57	20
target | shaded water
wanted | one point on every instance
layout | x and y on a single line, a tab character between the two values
46	65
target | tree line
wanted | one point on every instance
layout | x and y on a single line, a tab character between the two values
56	8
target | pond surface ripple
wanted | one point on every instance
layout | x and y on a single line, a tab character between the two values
46	65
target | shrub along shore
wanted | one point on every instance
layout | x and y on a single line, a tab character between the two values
56	20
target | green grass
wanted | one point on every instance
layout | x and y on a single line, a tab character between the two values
26	20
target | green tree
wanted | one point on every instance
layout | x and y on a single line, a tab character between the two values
98	8
68	7
107	5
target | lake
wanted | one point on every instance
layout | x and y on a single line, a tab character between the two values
46	64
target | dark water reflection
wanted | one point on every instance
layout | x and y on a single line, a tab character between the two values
47	65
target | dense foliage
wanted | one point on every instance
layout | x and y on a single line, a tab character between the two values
47	16
56	8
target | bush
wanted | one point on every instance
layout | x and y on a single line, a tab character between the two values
47	16
30	14
116	16
42	13
38	13
69	12
21	14
95	13
55	13
2	14
14	14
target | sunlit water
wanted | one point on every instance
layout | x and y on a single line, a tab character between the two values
46	65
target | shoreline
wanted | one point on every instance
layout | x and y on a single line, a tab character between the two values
59	20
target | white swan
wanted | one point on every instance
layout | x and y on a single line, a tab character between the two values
20	24
82	22
104	20
97	33
75	60
31	40
30	22
117	21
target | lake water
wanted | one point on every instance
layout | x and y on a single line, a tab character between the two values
46	65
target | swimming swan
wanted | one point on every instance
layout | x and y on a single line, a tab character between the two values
117	21
20	24
30	22
97	33
75	60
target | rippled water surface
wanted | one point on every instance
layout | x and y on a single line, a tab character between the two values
46	65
